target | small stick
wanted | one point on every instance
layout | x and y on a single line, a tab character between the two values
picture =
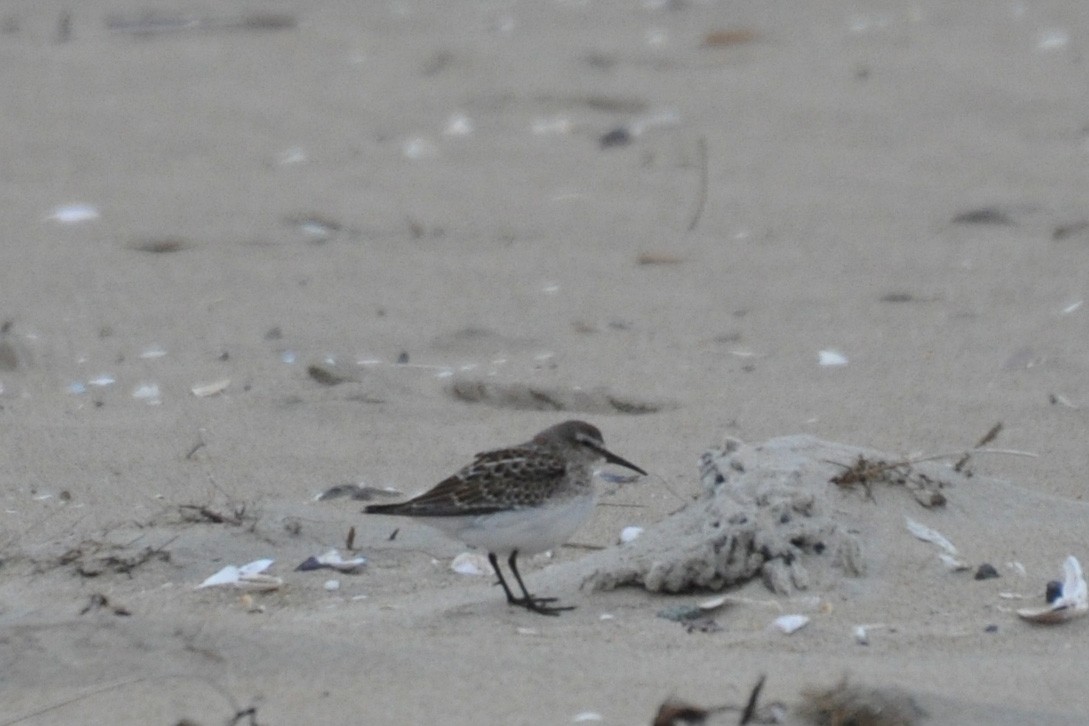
989	436
701	200
949	454
754	698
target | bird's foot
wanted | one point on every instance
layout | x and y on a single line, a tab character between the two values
540	605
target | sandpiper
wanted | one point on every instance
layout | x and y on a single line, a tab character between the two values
518	501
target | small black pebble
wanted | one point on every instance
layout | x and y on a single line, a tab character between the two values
617	137
986	572
1054	591
991	629
403	358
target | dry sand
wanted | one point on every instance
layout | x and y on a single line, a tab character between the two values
308	201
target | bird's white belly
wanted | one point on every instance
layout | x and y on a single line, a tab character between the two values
528	530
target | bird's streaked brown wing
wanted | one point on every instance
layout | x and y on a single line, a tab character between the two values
495	481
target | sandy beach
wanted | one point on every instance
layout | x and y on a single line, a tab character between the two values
377	238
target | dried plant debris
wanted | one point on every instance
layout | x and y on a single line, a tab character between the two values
205	514
1066	600
866	473
98	601
673	712
679	713
928	491
846	704
524	396
93	558
991	435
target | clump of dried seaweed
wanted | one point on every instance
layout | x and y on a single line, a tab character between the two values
927	490
847	704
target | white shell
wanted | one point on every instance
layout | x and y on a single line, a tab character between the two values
333	559
227	576
204	390
458	125
256	567
74	213
147	392
1073	603
471	563
246	577
713	603
933	536
790	623
832	358
628	534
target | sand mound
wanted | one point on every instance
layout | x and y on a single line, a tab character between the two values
775	511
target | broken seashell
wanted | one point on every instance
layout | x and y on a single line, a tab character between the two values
949	554
333	561
714	603
927	534
205	390
1072	601
832	358
247	577
789	624
471	563
74	213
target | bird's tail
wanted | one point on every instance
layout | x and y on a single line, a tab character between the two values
381	508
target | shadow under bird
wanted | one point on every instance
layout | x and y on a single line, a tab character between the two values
520	500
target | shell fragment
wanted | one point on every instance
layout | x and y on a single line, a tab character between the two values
1072	602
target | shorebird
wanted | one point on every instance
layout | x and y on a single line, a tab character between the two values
519	500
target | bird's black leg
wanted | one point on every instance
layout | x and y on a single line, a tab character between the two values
495	566
536	604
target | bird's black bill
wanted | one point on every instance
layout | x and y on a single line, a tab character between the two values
614	459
